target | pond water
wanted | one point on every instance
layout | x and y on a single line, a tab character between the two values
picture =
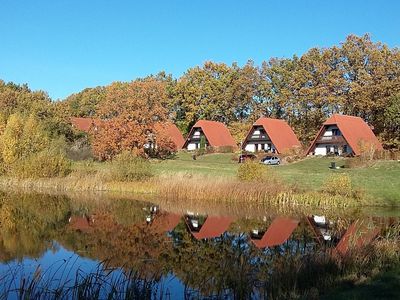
97	246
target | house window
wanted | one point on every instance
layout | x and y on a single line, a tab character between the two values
335	132
345	148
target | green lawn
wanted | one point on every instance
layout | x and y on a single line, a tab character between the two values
382	180
210	165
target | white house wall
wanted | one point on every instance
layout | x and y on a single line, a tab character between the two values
320	149
251	147
192	146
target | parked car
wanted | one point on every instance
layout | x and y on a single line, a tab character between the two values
246	156
271	160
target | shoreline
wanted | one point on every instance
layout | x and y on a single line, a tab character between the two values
193	190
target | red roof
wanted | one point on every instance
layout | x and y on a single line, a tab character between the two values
172	131
84	124
217	133
279	231
356	235
280	133
213	227
354	131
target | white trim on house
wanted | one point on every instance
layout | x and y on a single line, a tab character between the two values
329	134
259	140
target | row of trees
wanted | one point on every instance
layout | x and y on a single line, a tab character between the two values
358	77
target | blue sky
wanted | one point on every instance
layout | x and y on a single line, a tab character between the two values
65	46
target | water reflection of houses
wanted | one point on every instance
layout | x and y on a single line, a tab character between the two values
277	233
206	227
357	235
80	223
165	222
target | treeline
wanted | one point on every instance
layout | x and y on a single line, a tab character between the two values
357	77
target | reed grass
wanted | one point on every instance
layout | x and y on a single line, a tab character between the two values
187	187
273	193
57	283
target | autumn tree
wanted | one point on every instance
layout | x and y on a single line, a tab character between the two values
129	111
216	92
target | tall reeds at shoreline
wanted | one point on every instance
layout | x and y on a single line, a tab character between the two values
273	193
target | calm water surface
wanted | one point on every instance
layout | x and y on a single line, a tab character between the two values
168	250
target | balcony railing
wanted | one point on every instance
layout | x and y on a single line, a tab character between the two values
331	139
259	137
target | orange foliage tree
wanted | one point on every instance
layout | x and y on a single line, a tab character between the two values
129	112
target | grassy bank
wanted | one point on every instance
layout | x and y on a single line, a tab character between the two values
380	181
213	177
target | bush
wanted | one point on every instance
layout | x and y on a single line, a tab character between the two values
129	167
356	162
45	164
339	184
252	171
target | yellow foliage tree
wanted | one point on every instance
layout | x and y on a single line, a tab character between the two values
21	138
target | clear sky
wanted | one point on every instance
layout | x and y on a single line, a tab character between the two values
63	46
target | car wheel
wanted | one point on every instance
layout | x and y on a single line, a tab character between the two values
278	163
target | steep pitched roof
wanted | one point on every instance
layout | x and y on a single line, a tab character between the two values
213	227
278	232
84	124
280	133
216	133
172	131
353	129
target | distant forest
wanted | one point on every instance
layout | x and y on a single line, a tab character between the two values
357	77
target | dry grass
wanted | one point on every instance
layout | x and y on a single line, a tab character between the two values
76	182
273	193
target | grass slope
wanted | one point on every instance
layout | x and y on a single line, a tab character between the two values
381	181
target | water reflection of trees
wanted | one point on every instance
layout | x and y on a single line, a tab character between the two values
230	265
28	223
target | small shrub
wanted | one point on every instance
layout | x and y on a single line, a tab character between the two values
367	150
45	164
338	184
225	149
252	171
357	162
128	167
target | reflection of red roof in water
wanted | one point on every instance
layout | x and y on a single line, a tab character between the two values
279	231
79	223
165	222
213	227
357	235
